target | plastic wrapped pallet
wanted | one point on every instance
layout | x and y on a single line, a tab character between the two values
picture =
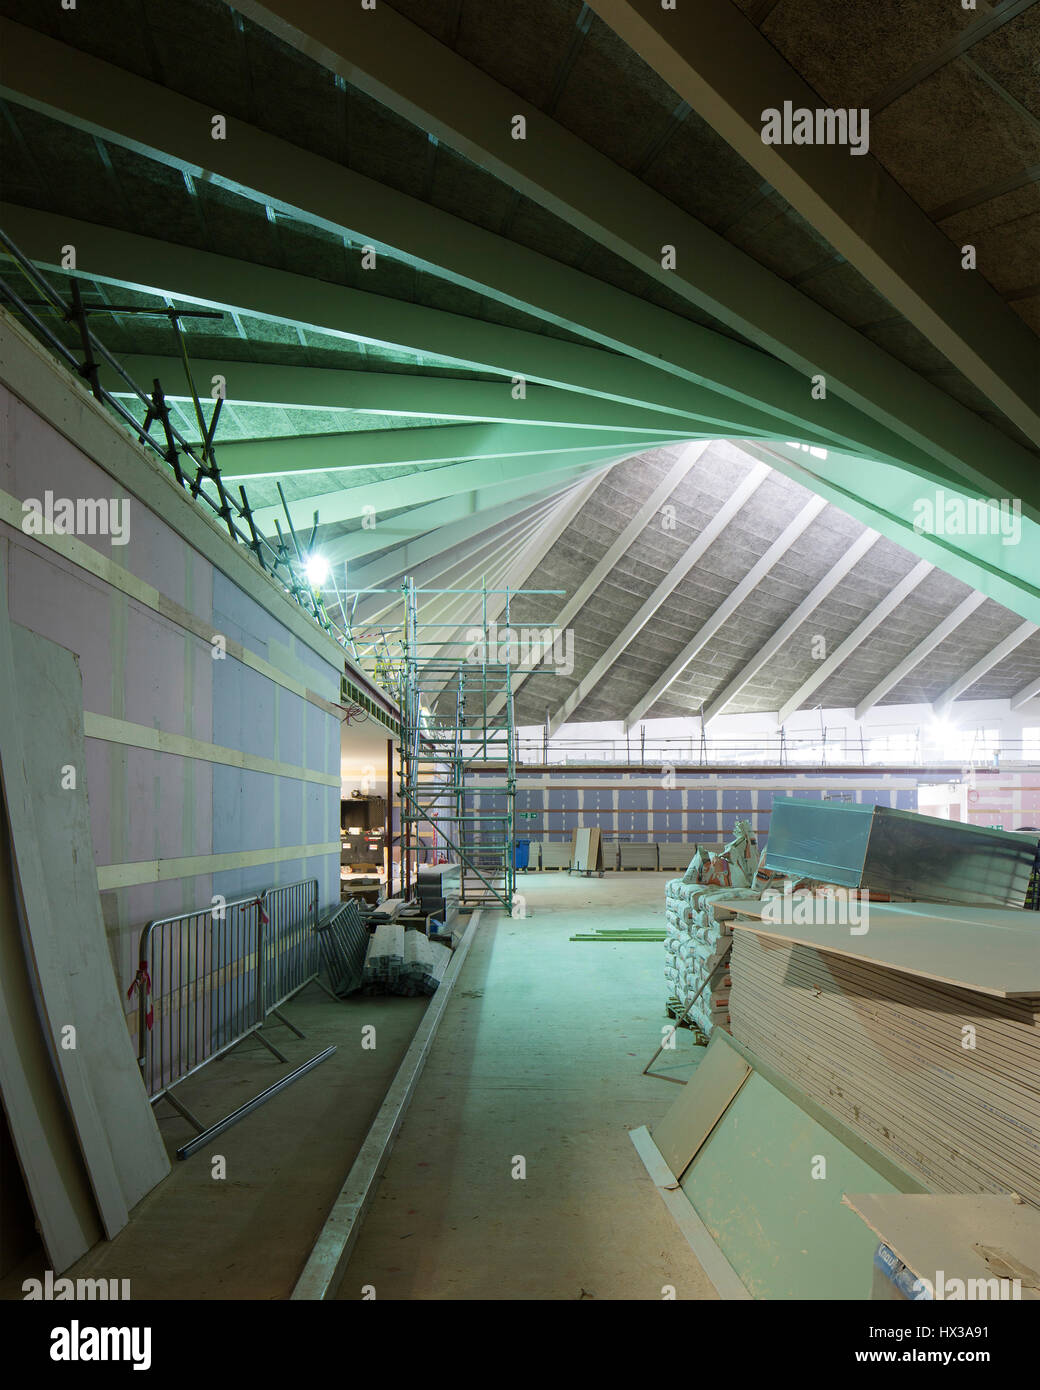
698	926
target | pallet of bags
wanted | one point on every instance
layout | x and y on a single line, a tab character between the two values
698	930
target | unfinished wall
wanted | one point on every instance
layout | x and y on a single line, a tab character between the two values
698	807
205	776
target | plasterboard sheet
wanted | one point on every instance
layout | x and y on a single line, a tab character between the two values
43	1137
964	1236
993	950
65	932
703	1100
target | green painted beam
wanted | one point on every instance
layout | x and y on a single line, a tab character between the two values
108	102
715	58
393	393
400	65
402	526
165	268
888	499
293	455
415	549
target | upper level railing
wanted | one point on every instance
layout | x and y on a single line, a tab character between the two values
825	749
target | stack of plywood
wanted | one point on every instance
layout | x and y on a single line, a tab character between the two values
921	1033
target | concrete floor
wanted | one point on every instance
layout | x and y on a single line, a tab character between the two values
538	1056
248	1235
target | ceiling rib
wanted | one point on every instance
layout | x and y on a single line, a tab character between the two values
734	384
373	608
728	607
139	262
812	601
711	55
399	393
966	39
855	639
400	527
623	542
290	455
1027	693
992	658
398	64
693	552
949	624
442	537
527	561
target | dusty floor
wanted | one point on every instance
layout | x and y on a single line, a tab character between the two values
538	1058
248	1235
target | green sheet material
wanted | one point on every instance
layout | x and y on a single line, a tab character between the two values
785	1233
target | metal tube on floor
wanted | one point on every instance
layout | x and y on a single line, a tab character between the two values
200	1140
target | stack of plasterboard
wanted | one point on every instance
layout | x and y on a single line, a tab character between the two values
611	851
673	855
638	856
921	1033
556	854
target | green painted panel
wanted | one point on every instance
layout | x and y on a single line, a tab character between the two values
785	1232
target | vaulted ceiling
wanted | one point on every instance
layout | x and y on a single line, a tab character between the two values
442	338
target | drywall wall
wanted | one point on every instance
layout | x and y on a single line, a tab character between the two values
212	732
676	806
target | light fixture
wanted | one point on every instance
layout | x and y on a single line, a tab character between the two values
317	570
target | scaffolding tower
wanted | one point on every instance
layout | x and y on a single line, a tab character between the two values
457	761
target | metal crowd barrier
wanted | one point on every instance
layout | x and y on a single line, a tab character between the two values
207	980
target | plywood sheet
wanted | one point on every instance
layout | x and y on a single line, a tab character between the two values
965	1236
703	1100
990	949
41	1131
56	887
775	1211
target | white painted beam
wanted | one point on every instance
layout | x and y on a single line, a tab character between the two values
715	58
805	517
949	624
1027	693
812	600
693	552
856	638
634	528
992	658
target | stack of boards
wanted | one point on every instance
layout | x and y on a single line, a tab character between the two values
406	962
922	1033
